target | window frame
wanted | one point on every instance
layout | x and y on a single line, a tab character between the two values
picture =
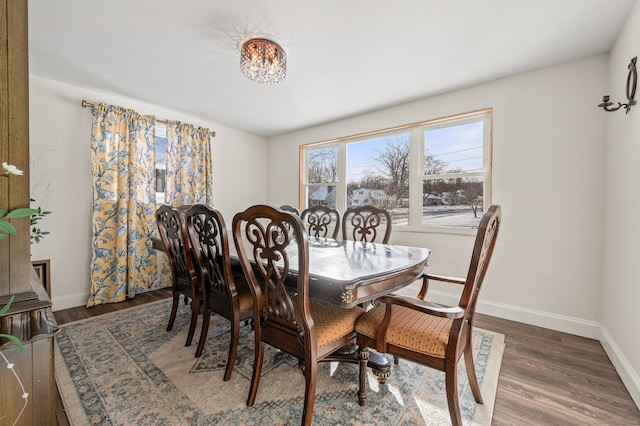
417	133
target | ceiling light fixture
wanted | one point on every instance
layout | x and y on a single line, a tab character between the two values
263	61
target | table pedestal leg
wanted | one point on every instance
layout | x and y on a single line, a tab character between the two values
379	364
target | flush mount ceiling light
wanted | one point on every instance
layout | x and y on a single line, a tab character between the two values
263	61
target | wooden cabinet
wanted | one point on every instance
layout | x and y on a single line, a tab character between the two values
30	317
33	323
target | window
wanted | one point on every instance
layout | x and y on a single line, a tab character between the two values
322	176
378	174
433	174
161	162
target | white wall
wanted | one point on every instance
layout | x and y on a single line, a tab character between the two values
621	283
60	176
548	149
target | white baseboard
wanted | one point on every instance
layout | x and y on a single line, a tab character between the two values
69	301
563	323
622	365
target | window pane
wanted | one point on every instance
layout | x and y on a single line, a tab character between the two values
454	149
161	162
378	174
324	195
322	165
452	202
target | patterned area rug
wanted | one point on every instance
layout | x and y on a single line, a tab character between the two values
123	368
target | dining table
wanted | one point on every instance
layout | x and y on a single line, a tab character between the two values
353	273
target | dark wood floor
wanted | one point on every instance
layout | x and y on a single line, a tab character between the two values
546	378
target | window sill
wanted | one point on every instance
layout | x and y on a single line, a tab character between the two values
437	230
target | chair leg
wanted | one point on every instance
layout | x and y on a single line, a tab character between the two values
233	348
471	374
363	354
257	371
309	392
174	309
195	309
206	318
451	377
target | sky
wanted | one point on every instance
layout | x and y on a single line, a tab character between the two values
459	146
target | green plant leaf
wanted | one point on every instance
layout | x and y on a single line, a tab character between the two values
15	340
5	308
3	236
22	212
8	228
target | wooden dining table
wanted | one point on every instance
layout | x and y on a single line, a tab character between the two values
353	273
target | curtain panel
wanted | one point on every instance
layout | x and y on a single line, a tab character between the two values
189	168
123	178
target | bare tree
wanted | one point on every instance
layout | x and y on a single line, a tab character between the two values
395	160
471	195
433	166
323	165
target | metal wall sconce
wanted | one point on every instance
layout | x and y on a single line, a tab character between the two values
632	81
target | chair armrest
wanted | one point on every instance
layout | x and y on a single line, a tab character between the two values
453	312
444	278
425	283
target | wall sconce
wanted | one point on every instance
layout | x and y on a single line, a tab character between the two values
632	81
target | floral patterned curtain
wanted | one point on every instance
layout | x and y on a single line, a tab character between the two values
189	177
123	159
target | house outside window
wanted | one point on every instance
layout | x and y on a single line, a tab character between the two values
430	175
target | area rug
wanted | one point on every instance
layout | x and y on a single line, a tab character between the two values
123	368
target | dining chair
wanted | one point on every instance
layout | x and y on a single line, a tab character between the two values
321	221
366	223
184	279
222	292
270	242
290	208
431	334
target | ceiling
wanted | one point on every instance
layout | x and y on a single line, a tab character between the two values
344	57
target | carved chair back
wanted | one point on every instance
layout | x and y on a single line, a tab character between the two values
321	221
366	223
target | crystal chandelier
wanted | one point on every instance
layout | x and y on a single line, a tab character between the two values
263	61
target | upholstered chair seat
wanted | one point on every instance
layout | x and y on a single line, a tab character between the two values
331	321
409	329
245	300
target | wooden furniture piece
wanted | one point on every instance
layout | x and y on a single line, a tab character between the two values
175	240
288	319
321	222
432	334
222	293
290	208
350	273
364	223
29	317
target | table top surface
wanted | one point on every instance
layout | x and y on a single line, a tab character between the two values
351	261
351	272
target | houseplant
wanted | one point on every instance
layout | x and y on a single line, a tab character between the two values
6	228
